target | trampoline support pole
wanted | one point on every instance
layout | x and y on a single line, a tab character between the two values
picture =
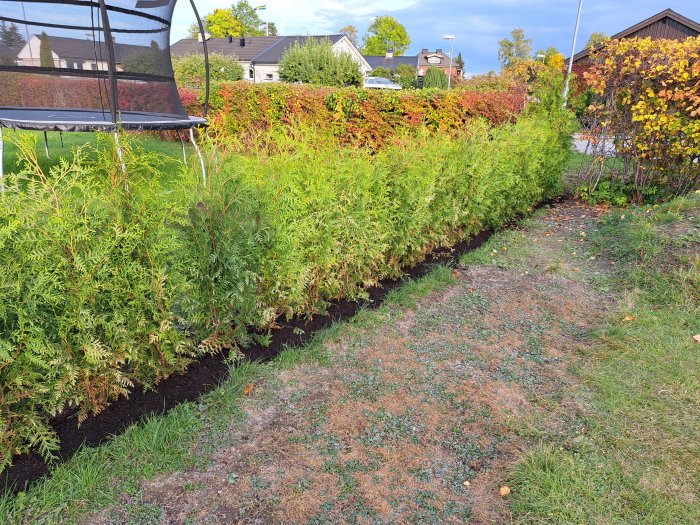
2	163
184	151
46	145
199	154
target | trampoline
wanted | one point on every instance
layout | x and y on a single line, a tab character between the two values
91	65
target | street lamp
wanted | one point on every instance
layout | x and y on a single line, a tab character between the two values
452	52
540	55
573	50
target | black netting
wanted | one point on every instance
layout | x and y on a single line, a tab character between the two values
55	54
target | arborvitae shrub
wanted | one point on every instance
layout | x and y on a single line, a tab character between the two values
110	283
435	78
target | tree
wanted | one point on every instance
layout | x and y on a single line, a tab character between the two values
10	36
435	78
512	51
350	32
460	61
149	61
406	76
382	72
272	29
595	39
190	71
253	25
386	34
221	23
45	51
315	62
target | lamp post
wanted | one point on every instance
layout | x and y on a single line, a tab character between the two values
573	50
452	52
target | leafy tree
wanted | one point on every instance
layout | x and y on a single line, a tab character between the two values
386	34
10	36
253	25
190	70
350	32
515	50
45	51
459	61
149	61
435	78
406	76
595	39
382	72
315	62
222	23
272	28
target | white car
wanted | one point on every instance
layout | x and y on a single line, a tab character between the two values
380	83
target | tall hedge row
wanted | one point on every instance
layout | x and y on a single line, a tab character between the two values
244	112
112	283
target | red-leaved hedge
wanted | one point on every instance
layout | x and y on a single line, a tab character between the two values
242	112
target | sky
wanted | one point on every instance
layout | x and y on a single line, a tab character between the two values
478	25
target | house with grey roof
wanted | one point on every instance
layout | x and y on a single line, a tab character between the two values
85	54
391	62
8	55
260	55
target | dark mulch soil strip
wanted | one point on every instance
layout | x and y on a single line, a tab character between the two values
204	375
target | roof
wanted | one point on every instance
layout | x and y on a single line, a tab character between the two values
391	63
7	51
274	53
257	49
691	27
254	45
87	49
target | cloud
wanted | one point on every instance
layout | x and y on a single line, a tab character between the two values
302	16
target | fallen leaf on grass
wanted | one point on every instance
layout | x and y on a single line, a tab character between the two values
247	390
696	338
629	318
505	490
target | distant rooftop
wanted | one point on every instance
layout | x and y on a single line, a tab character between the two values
258	49
391	63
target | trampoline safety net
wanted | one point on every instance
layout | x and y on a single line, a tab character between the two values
78	65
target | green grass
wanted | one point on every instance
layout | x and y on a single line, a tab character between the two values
639	462
186	437
63	147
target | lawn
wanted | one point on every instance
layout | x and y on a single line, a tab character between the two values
550	378
62	146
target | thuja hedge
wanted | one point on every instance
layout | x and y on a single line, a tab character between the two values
242	113
111	283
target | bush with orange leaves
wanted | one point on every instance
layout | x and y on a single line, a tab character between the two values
648	113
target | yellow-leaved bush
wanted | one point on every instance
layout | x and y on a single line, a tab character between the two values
649	105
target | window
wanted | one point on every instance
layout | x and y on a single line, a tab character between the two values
269	76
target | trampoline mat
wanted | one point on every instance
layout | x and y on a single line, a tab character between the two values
92	120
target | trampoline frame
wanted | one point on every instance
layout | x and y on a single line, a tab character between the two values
166	122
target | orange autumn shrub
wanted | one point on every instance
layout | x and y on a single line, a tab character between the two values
648	105
242	112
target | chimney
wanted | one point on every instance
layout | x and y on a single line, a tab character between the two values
230	39
206	36
242	42
390	53
425	51
438	51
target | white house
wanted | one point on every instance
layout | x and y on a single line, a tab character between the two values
260	56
